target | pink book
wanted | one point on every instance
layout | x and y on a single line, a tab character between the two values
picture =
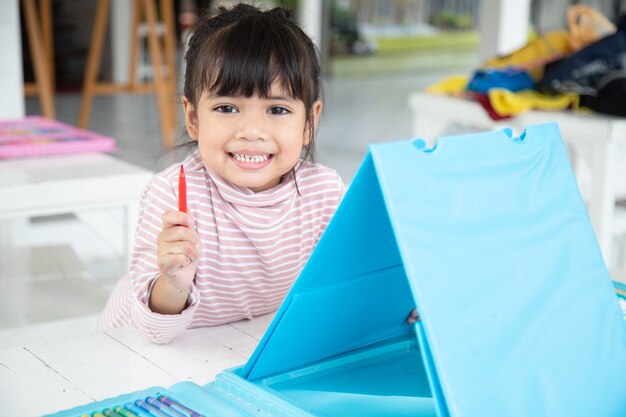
35	136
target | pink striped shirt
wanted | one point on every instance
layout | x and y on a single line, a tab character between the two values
254	245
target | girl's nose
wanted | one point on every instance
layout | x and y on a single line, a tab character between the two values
252	127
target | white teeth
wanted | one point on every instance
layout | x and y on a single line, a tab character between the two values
251	158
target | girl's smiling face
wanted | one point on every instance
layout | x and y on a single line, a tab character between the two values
251	141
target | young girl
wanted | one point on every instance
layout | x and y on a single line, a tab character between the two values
255	208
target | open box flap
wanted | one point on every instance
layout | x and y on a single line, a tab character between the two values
490	237
517	304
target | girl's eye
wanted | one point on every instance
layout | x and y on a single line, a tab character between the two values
277	110
225	108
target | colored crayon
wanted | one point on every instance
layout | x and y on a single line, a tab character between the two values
164	407
110	413
138	411
182	191
97	414
177	405
154	411
84	415
124	412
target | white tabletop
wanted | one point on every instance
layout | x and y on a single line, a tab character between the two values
46	377
58	183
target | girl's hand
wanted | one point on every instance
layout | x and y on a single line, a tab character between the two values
413	317
178	250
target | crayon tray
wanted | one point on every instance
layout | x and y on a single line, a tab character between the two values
381	380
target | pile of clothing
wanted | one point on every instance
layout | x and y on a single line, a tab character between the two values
583	67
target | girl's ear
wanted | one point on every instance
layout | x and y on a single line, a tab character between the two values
191	118
311	124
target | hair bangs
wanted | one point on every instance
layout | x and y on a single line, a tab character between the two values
245	62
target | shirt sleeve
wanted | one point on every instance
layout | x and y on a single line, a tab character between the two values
158	197
338	190
342	189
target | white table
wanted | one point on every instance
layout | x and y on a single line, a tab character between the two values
47	377
598	139
78	183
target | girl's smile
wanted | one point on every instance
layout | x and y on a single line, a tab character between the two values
251	160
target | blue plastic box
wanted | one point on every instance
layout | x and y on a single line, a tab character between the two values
488	237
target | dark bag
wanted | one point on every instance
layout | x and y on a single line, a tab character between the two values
611	97
583	71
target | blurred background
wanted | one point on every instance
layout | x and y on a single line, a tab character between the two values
57	271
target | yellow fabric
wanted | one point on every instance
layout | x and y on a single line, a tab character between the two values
508	103
455	84
533	56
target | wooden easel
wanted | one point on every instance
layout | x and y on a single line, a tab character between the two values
164	71
41	52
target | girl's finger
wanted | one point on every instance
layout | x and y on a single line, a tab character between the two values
178	233
185	248
170	263
176	218
413	317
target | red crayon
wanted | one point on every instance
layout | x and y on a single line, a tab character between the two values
182	191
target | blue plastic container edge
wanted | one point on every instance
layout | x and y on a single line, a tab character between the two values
253	398
343	360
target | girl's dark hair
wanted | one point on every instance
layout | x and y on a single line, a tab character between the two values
243	50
